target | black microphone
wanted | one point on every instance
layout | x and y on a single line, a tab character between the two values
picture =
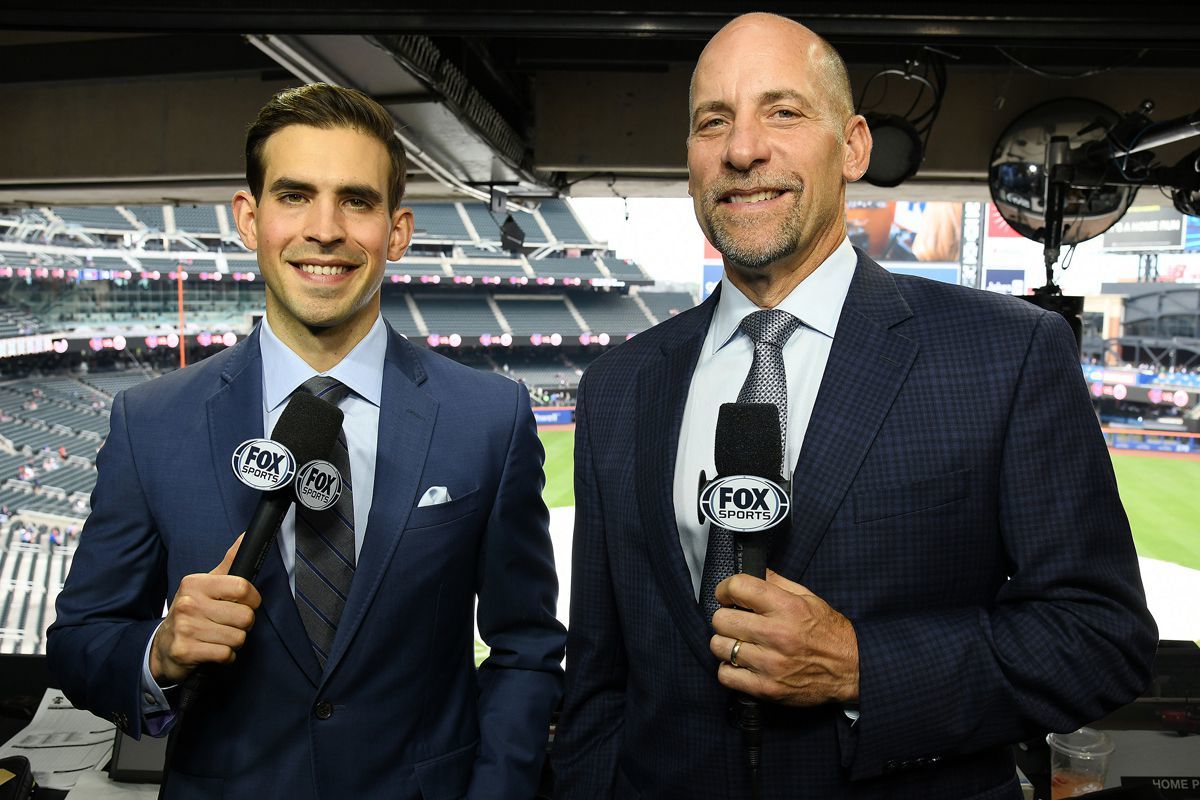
748	443
308	427
749	457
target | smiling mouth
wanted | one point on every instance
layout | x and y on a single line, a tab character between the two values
322	269
756	197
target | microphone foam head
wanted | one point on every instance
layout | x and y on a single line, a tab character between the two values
747	440
308	427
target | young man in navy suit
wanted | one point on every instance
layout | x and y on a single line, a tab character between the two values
446	472
957	558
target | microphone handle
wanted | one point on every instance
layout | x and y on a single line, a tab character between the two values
752	554
260	533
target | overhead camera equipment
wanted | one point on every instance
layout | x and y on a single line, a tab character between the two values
899	141
512	237
1067	170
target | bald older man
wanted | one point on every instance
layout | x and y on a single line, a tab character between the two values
957	556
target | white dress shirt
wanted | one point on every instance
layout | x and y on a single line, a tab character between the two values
722	368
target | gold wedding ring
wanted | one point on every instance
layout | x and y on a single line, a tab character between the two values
733	654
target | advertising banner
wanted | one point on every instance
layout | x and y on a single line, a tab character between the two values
1147	227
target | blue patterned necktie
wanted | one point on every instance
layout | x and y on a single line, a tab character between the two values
325	542
765	383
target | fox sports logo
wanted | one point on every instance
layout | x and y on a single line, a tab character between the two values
744	503
263	464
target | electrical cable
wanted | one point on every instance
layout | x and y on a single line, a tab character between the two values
1062	76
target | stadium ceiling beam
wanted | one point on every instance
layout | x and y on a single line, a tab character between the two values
1020	22
449	130
534	97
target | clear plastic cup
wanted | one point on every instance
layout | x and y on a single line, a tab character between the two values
1078	762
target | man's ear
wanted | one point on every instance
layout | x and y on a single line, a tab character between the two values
857	148
401	234
245	211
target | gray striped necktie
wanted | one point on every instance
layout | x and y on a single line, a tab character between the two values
325	542
765	383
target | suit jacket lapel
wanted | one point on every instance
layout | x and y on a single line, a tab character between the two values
235	415
662	390
406	419
867	366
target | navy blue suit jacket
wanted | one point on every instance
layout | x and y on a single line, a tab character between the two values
953	498
411	716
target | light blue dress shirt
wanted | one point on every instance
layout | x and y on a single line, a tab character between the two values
722	368
362	371
283	372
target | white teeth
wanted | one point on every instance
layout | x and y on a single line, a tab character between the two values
318	269
757	197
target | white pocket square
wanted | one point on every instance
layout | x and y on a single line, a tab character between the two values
434	496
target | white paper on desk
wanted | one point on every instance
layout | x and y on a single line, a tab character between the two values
61	742
96	786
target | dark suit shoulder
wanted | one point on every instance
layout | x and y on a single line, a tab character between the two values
972	325
928	297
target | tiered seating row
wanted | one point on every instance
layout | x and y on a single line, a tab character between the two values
34	560
614	314
434	221
16	321
466	315
664	305
109	383
95	218
625	270
527	317
197	219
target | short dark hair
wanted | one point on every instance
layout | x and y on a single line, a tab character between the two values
322	105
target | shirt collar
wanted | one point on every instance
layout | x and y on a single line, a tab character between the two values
816	301
361	369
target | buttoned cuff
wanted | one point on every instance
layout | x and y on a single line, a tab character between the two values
157	714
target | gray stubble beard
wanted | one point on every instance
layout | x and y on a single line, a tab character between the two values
746	256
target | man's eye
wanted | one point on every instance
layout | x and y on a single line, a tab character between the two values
357	203
291	198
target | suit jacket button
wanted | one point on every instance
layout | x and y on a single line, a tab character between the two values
323	710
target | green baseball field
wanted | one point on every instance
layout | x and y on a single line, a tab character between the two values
1162	499
1161	496
560	466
